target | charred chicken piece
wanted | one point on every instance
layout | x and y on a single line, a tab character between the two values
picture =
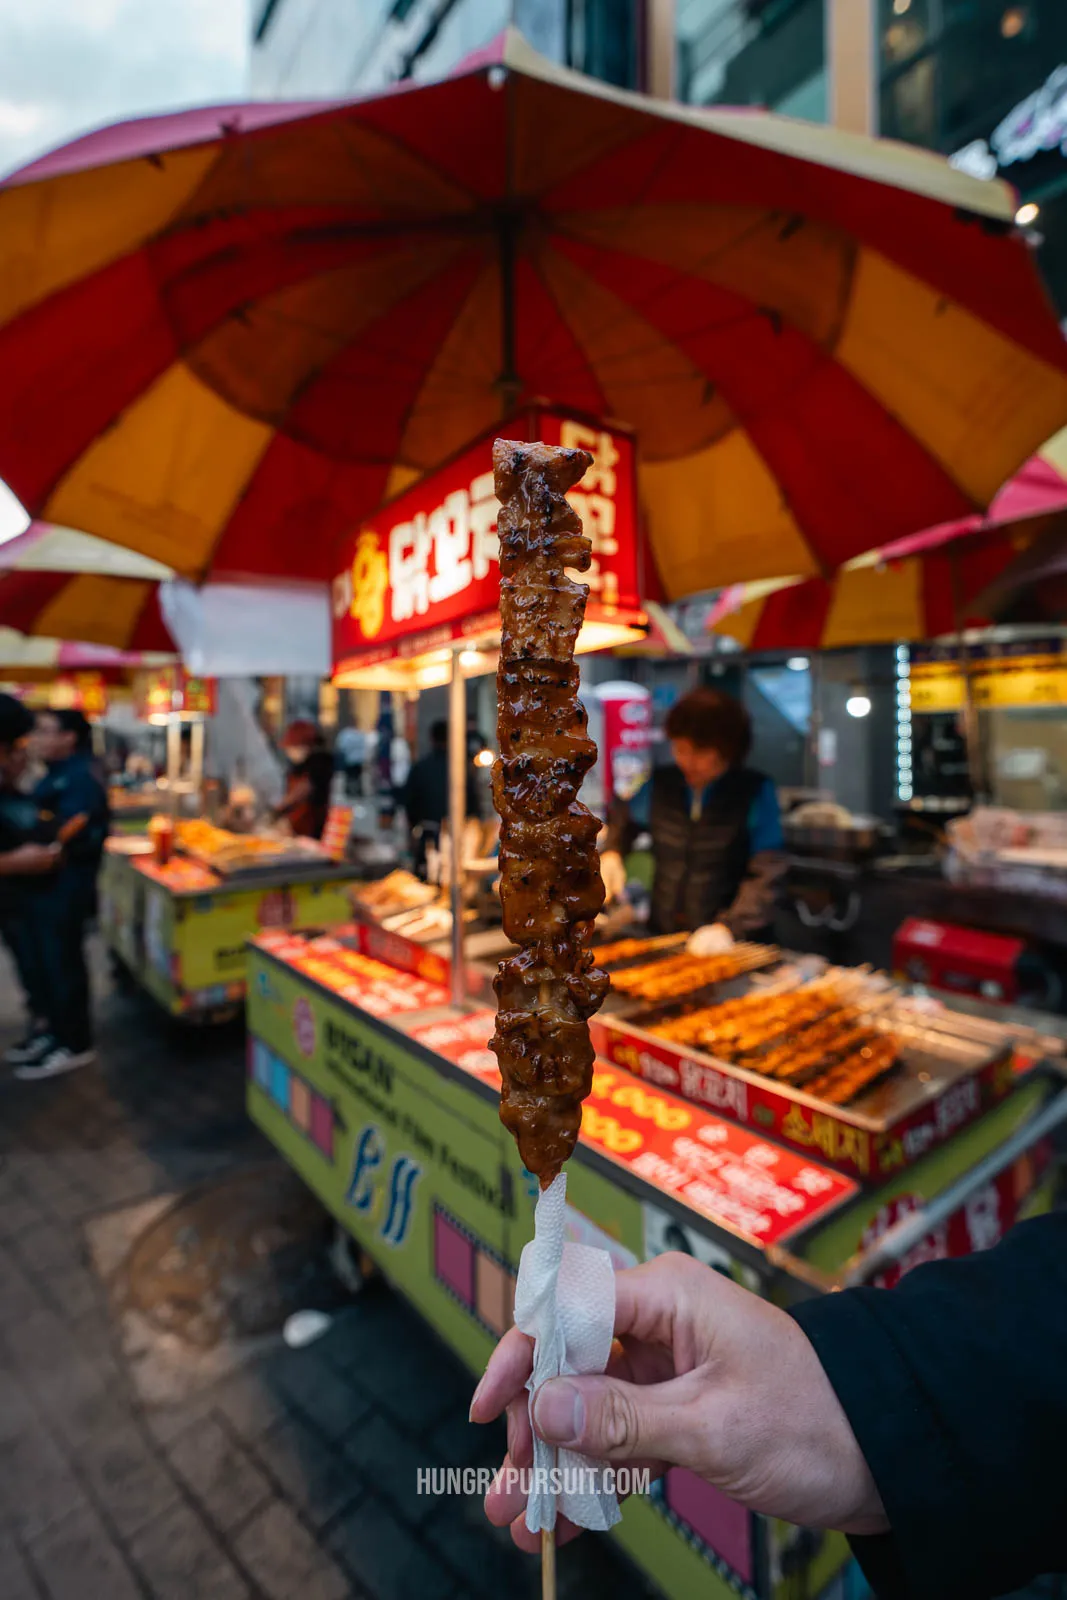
550	884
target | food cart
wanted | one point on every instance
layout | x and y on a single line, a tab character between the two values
368	1069
179	928
383	1096
178	925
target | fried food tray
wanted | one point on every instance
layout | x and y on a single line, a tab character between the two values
247	873
944	1077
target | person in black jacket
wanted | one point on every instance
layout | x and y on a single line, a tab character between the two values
72	803
927	1422
425	795
716	830
24	862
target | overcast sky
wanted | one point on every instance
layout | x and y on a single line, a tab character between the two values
70	65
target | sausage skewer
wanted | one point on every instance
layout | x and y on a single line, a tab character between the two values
550	883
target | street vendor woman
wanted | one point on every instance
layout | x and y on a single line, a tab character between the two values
716	830
307	780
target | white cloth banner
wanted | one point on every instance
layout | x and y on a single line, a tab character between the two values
250	630
565	1300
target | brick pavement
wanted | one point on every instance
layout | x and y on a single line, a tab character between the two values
292	1476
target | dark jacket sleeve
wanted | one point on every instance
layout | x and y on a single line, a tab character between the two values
79	792
411	796
756	900
955	1385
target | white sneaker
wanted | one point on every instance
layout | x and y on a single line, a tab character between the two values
55	1063
32	1048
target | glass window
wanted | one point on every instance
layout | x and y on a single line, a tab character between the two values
987	56
769	53
603	40
905	27
909	104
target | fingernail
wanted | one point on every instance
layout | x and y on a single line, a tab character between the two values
474	1398
559	1412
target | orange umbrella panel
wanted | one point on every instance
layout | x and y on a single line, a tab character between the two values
123	613
227	336
918	597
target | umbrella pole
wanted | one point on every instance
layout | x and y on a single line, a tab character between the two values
811	748
457	816
196	761
174	759
972	724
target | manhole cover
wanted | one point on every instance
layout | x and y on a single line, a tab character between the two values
233	1260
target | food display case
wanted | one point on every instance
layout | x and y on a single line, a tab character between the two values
383	1096
178	927
836	1062
133	809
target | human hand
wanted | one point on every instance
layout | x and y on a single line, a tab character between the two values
702	1375
32	858
710	940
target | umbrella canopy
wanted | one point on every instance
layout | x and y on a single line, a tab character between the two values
924	585
24	660
226	335
43	547
664	639
121	612
57	583
1033	586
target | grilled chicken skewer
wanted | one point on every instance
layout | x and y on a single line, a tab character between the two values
550	883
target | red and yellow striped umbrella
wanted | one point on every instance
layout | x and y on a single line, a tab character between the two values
927	584
85	606
226	335
58	584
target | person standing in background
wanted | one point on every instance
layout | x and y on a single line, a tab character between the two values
425	795
72	808
717	842
308	780
350	754
24	863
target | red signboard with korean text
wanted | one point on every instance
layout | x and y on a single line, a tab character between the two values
979	1224
81	691
721	1170
626	746
371	984
424	570
828	1134
171	691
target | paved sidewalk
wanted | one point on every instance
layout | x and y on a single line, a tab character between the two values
290	1478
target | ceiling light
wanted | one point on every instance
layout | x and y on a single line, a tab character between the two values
484	758
797	663
900	7
1013	22
858	705
1027	213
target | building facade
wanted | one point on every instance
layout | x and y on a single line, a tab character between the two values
338	47
768	53
985	83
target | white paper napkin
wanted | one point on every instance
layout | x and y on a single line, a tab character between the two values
565	1300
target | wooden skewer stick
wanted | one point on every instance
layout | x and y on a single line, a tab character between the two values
548	1564
548	1535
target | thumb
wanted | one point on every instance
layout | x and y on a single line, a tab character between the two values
611	1420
